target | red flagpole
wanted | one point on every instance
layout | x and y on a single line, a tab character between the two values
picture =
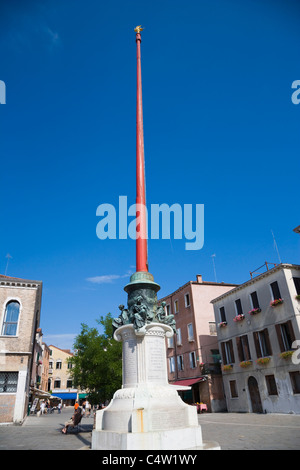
141	228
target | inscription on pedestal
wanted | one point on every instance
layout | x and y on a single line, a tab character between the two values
156	359
129	362
161	420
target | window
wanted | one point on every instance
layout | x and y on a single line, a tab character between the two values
172	364
180	362
187	300
243	348
262	343
192	356
285	335
212	328
70	365
295	380
170	342
176	306
57	383
275	290
8	382
233	389
216	357
271	385
11	318
254	299
227	352
50	364
58	364
168	309
222	314
238	307
190	332
297	284
69	384
179	341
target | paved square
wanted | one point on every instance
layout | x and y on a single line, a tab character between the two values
233	431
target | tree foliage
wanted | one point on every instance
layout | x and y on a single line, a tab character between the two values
97	364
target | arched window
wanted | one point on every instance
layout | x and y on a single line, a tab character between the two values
11	318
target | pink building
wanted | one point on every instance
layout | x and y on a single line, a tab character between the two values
193	354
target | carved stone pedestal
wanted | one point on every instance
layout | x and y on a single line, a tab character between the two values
147	413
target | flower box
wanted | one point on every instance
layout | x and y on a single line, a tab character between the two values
276	302
286	354
254	311
222	324
245	364
263	360
297	297
239	318
227	367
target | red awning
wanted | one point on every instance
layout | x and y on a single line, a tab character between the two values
188	382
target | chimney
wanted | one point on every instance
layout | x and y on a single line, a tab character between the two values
199	278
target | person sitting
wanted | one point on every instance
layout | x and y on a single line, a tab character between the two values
74	421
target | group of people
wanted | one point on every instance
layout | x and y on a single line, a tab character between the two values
45	407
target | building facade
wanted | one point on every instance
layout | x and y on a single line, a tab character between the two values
60	382
192	354
20	306
258	325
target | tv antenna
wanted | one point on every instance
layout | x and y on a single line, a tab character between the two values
8	258
213	260
276	247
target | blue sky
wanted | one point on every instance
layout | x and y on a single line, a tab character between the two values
220	130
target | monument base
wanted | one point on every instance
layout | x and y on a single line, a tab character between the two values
176	439
147	413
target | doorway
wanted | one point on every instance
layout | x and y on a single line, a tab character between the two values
254	395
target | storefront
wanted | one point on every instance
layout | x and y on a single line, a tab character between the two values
192	394
68	398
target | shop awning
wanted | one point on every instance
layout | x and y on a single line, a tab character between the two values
66	396
189	382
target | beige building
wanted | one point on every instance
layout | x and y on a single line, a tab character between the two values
20	306
60	382
193	353
258	332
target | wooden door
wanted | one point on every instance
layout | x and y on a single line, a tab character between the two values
254	395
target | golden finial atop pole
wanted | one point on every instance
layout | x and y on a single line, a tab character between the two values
138	29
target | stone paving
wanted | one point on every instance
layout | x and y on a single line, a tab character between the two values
250	431
44	433
233	431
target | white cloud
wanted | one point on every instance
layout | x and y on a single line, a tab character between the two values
107	278
62	341
52	35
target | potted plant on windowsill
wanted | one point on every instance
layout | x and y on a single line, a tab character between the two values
263	360
254	311
245	364
286	354
227	367
222	324
297	297
276	302
239	317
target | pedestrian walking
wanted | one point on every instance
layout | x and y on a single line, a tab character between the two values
59	406
87	409
42	407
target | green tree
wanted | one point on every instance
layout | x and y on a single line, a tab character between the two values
97	364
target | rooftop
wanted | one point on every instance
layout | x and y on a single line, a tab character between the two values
278	267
